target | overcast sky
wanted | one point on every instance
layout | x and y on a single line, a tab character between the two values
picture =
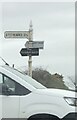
53	23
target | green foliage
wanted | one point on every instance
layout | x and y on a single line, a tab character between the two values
48	80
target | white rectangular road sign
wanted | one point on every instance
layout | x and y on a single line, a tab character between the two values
16	34
35	44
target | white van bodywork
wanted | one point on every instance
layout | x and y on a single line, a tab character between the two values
26	97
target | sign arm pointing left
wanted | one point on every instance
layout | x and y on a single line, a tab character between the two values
16	34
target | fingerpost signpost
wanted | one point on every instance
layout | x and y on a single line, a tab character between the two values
31	47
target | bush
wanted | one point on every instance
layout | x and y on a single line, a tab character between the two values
48	80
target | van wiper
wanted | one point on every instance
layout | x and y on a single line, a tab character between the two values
4	61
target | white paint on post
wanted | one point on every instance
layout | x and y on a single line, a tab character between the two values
30	57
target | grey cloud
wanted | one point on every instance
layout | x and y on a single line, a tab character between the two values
51	15
52	22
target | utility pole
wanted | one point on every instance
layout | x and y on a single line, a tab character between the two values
30	57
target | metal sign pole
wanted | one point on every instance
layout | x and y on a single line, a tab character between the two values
30	57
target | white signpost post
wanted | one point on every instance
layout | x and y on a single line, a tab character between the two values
32	47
